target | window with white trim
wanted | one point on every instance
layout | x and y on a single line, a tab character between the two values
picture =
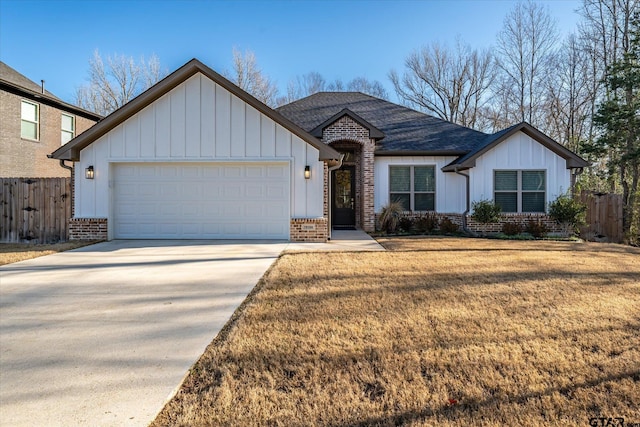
68	128
414	187
30	120
520	191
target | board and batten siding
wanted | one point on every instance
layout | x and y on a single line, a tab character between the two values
519	152
198	121
450	188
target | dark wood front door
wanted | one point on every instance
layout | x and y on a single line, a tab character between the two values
343	198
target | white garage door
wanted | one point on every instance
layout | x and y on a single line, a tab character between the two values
201	201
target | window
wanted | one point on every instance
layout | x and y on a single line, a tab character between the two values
414	187
520	191
30	114
68	127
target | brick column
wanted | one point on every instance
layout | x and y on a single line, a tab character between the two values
368	213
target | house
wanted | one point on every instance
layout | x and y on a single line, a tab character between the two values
197	157
34	122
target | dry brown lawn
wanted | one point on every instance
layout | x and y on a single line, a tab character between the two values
436	331
14	252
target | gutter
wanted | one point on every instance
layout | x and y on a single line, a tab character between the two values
331	169
466	212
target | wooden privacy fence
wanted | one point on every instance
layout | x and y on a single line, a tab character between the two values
604	216
35	210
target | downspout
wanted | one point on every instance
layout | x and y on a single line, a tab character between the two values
70	168
331	169
466	212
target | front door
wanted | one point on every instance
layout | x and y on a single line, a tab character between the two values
343	212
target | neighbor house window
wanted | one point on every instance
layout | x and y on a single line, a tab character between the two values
30	115
520	190
414	187
68	127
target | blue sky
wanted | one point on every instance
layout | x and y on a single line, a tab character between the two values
54	40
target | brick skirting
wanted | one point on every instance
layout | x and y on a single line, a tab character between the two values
88	229
309	230
515	218
522	219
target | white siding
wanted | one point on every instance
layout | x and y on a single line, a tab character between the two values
450	188
198	121
519	152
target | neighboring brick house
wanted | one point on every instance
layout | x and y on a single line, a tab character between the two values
33	123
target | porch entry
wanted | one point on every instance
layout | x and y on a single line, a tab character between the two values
343	198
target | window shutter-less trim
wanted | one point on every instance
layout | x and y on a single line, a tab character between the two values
519	191
413	187
30	117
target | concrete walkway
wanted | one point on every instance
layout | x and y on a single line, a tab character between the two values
103	335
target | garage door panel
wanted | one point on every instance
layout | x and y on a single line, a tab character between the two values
208	201
211	172
276	191
168	171
232	172
254	191
255	172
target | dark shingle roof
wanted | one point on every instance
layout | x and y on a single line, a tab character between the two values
10	75
14	82
405	130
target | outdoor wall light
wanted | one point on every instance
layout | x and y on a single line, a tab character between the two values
307	172
88	172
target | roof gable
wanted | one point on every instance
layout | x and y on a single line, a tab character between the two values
469	160
374	132
71	150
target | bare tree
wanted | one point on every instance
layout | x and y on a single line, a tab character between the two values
336	86
303	86
452	84
314	82
524	48
373	88
250	78
116	81
569	95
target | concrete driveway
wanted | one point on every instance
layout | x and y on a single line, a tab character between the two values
103	335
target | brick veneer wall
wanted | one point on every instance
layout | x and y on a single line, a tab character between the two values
88	229
521	219
345	128
27	158
455	218
309	230
368	212
325	192
344	132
